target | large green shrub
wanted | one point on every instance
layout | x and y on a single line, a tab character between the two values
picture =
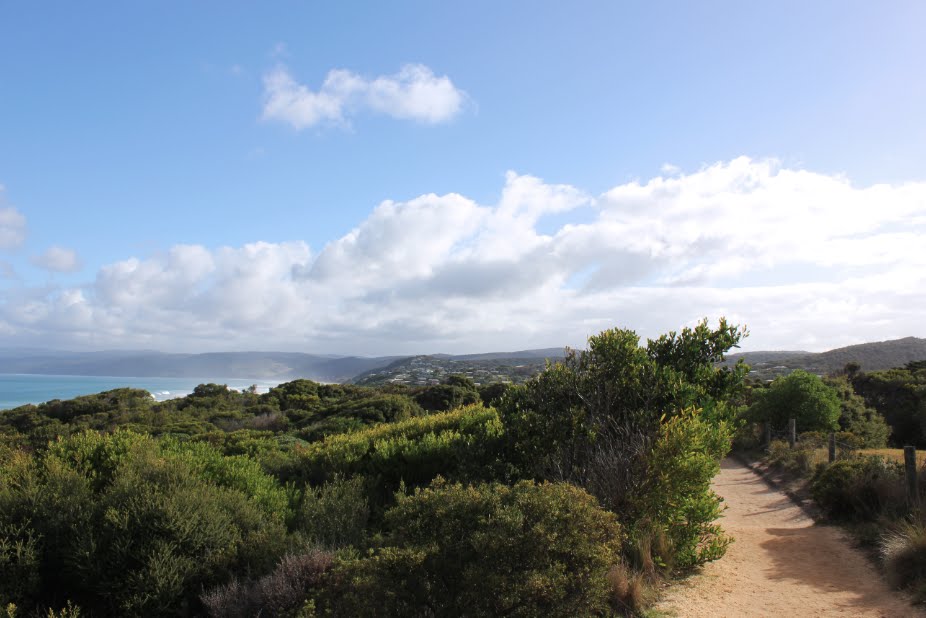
801	396
641	428
677	495
861	489
899	394
856	418
486	550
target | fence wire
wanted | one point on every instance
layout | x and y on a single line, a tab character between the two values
816	443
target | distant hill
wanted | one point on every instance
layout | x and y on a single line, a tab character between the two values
515	367
873	356
488	367
144	364
246	365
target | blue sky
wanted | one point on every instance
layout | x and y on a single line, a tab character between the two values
140	150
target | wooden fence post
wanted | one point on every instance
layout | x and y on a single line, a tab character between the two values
832	446
909	460
792	432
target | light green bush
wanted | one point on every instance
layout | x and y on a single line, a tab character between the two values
464	444
677	495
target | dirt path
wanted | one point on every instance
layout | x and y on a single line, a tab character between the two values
780	564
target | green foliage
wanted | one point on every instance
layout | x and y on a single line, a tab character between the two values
677	495
120	524
642	429
208	503
295	395
900	396
448	396
234	472
19	564
487	550
463	444
799	461
801	396
617	384
860	489
120	399
336	514
857	418
492	394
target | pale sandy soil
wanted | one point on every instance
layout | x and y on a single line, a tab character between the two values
780	563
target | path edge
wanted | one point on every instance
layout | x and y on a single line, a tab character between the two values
806	504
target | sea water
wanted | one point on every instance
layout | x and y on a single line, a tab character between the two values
20	389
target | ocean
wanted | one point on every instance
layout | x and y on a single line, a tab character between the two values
20	389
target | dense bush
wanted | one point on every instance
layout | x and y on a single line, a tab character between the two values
487	550
336	514
856	418
462	445
590	480
801	396
900	396
860	489
122	525
677	496
604	420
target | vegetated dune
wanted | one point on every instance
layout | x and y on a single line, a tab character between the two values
781	564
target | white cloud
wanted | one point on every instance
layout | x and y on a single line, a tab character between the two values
807	260
12	226
414	93
58	259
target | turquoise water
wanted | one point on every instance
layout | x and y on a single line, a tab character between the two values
20	389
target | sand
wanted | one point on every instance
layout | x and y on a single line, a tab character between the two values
781	563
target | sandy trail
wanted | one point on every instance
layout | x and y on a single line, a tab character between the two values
780	564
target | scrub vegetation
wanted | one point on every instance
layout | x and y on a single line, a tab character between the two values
865	489
570	495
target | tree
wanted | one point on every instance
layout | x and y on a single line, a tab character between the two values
801	396
899	394
620	420
857	418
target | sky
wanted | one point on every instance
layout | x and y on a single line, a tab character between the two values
420	177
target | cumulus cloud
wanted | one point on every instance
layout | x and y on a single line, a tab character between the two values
12	226
58	259
806	260
414	93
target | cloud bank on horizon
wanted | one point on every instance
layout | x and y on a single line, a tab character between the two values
806	260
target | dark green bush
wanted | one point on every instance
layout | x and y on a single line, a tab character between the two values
336	514
487	550
19	564
123	526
